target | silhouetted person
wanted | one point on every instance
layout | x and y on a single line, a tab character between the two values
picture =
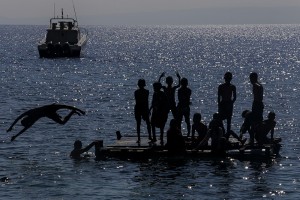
159	107
216	134
141	108
264	128
248	125
31	116
257	105
183	107
170	92
199	127
175	140
78	150
226	98
119	136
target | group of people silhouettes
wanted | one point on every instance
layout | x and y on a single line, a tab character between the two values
163	101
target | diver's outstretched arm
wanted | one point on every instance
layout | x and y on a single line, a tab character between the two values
66	119
18	118
22	131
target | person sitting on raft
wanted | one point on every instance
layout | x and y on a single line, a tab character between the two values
248	125
264	128
216	133
78	150
199	127
175	140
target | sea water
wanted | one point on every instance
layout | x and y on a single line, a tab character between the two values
102	82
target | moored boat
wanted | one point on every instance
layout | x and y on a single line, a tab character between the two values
63	39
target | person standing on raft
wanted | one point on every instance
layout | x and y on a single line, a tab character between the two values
141	108
226	99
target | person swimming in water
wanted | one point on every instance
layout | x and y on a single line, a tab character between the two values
31	116
78	150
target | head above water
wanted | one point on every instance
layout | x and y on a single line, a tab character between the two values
228	76
184	82
77	144
141	83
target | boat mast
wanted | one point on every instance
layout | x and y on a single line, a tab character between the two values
75	11
54	10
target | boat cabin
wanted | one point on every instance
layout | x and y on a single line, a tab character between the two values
62	31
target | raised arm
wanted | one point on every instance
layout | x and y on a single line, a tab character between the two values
179	78
162	75
77	152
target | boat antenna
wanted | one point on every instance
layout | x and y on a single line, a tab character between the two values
74	11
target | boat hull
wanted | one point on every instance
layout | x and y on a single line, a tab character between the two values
49	50
46	52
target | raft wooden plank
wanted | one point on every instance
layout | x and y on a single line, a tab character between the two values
132	142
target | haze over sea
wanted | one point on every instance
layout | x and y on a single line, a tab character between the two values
103	81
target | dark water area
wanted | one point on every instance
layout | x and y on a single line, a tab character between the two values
102	83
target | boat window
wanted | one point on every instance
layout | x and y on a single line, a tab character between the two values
70	25
53	26
61	25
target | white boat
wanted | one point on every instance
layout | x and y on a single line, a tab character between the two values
63	39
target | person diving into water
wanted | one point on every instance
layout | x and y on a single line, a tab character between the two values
31	116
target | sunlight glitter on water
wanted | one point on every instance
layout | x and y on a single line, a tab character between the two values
103	81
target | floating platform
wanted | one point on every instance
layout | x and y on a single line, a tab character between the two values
127	148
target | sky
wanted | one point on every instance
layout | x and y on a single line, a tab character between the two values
153	12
